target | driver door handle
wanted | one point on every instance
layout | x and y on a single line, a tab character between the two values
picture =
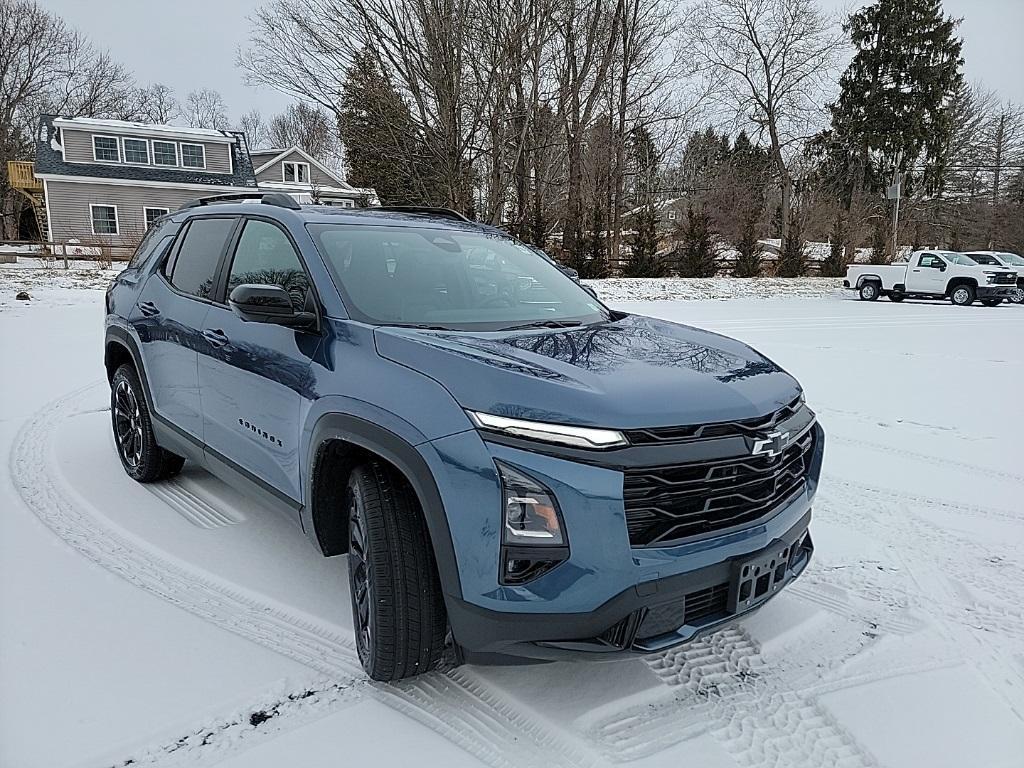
216	337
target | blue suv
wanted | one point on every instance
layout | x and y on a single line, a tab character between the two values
512	468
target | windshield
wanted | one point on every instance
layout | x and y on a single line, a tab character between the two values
1012	258
984	258
959	258
450	279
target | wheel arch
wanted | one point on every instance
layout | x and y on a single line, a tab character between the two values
339	443
955	282
869	278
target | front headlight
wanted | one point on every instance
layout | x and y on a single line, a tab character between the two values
564	434
530	516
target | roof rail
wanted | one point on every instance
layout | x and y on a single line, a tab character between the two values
280	199
428	210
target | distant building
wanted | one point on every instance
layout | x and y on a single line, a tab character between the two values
103	182
299	174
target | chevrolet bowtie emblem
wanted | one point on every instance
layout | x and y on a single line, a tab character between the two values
771	444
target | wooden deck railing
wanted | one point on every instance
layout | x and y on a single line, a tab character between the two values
22	176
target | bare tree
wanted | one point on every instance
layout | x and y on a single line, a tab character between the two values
588	33
310	127
205	108
157	104
770	63
255	129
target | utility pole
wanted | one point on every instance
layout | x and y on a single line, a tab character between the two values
894	193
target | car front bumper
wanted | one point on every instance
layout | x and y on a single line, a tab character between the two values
646	618
996	291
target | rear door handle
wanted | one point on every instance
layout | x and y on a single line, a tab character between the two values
216	337
148	308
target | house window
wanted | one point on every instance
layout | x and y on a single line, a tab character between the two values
104	219
152	214
296	172
105	148
193	155
136	151
672	215
165	153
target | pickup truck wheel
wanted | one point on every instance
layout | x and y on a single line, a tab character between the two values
869	292
141	457
991	302
397	607
962	295
1017	297
897	297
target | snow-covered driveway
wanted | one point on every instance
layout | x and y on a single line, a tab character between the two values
183	625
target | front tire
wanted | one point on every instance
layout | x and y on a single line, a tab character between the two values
962	295
869	292
141	457
1017	297
397	606
896	297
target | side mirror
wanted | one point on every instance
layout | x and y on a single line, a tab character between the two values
268	304
942	267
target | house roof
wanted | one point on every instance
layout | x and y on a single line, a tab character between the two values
283	153
148	129
50	157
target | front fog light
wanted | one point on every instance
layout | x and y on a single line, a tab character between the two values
530	514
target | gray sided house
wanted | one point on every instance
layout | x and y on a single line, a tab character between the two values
302	176
105	181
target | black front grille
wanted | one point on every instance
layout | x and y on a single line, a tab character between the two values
1005	279
743	428
693	609
666	504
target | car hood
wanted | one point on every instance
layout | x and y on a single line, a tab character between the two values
625	373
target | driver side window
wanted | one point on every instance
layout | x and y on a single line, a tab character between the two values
931	261
265	256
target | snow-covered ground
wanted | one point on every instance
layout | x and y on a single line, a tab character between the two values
184	625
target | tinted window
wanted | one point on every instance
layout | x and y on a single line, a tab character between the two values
459	279
154	240
984	258
195	266
265	256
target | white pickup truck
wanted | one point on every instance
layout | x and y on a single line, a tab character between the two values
934	275
1004	259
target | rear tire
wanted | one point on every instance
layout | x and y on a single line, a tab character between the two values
991	302
397	606
141	457
869	292
962	295
896	297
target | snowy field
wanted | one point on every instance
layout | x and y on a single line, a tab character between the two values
181	624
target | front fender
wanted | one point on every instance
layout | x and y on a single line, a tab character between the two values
399	443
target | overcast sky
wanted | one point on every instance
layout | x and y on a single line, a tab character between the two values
191	44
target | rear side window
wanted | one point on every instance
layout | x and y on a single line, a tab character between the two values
153	238
195	267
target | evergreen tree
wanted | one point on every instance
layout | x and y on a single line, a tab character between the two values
880	242
895	95
377	130
748	261
837	261
645	261
792	259
697	251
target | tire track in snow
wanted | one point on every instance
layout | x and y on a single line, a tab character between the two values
722	687
452	703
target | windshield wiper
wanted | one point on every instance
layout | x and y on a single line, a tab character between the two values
418	326
545	324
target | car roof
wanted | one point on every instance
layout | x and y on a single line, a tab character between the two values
330	214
